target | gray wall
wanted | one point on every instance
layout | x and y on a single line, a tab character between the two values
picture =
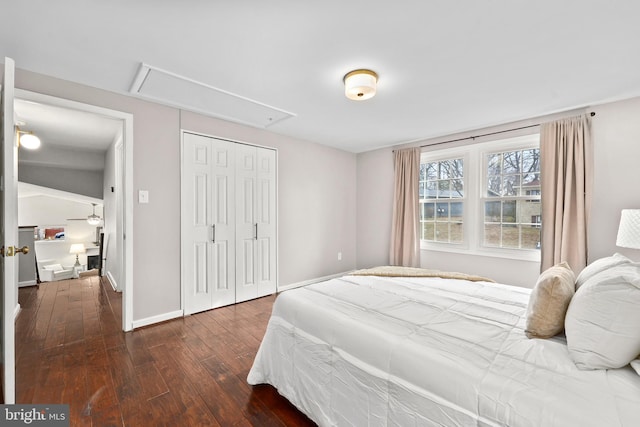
87	183
316	194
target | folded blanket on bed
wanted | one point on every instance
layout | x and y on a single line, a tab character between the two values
397	271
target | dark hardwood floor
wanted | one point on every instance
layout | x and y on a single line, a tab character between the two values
191	371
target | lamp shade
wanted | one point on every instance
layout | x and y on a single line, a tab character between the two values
360	84
77	248
629	230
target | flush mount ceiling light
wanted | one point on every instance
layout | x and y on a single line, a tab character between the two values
93	219
360	84
28	140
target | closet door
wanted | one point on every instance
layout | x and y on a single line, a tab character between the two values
246	226
266	219
208	241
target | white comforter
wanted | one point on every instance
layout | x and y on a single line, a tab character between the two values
363	350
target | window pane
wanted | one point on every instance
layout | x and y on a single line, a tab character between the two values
530	236
442	232
510	236
492	211
422	192
494	186
494	164
442	210
457	188
427	211
432	192
509	211
428	231
456	235
531	160
528	209
511	185
432	170
455	211
492	235
511	162
443	180
443	189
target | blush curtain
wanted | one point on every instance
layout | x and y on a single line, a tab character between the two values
566	182
405	241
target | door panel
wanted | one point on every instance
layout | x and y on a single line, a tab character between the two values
8	230
206	231
267	233
246	287
222	264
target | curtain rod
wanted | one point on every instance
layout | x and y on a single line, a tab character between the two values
487	134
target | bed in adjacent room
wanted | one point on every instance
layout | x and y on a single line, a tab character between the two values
386	348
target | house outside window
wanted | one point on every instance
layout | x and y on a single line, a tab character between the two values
442	200
512	199
482	198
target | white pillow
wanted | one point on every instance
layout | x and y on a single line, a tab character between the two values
599	266
635	364
53	267
603	317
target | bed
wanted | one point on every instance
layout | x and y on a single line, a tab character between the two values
370	350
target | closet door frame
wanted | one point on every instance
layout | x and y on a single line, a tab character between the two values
184	261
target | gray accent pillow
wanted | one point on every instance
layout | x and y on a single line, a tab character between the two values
549	301
599	266
603	320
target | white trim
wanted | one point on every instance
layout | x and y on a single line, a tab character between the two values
16	312
312	281
27	283
157	319
127	118
112	281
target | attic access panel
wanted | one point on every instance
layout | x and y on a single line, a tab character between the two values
172	89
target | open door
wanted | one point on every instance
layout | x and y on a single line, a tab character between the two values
8	232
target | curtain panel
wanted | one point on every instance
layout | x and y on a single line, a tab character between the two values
405	228
566	155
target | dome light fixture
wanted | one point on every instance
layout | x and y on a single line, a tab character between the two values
360	84
93	219
28	140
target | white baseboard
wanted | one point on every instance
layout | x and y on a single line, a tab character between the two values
157	319
311	281
112	281
16	311
27	283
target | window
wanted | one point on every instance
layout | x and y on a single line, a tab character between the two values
512	199
441	200
482	198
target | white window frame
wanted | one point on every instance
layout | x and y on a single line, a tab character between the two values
474	156
444	155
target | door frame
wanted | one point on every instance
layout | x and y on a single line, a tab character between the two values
125	240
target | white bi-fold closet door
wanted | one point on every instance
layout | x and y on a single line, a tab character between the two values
228	222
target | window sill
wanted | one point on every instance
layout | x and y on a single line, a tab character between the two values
514	254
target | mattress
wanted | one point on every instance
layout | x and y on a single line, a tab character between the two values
402	351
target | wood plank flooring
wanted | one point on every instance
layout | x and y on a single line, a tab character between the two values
192	371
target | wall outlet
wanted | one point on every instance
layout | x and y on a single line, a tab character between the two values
339	256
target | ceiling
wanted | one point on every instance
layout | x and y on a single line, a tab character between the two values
443	66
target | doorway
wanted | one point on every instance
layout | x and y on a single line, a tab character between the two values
120	194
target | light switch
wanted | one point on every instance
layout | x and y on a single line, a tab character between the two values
143	196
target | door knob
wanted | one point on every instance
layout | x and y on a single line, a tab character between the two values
12	250
23	250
